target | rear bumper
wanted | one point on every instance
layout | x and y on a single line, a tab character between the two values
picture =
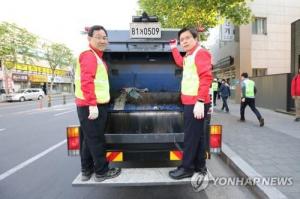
143	138
142	146
141	142
145	147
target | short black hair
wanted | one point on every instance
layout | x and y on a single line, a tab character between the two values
245	75
193	31
95	28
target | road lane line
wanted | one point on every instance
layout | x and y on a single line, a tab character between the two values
31	160
43	110
2	130
14	106
58	114
7	105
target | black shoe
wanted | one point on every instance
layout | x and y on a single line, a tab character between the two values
172	171
86	175
261	122
201	170
111	173
297	119
241	120
180	173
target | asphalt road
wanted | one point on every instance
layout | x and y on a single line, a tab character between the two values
34	162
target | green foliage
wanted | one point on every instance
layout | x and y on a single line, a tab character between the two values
58	56
16	43
197	13
19	45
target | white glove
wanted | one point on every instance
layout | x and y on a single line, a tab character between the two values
93	112
199	110
173	43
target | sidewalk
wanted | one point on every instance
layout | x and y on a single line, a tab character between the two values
272	150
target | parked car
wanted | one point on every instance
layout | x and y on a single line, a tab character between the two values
26	94
2	95
2	91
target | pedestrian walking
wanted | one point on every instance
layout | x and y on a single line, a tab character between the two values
215	88
225	94
248	98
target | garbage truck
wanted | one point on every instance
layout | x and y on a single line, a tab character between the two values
145	118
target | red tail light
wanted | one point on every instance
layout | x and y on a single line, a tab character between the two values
73	140
215	138
73	143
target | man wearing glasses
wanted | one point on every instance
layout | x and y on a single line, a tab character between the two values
195	83
92	97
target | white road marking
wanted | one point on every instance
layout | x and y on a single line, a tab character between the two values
58	114
60	109
14	106
2	130
31	160
44	110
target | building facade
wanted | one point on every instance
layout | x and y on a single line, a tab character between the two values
260	48
32	76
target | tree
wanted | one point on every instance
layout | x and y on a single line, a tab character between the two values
16	43
201	14
58	56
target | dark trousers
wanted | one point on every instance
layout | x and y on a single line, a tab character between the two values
225	105
92	140
215	97
194	139
251	103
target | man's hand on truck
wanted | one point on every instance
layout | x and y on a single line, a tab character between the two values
93	112
199	110
173	43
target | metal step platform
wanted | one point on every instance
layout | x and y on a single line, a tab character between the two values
138	177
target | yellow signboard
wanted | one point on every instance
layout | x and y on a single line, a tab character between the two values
39	69
21	67
38	78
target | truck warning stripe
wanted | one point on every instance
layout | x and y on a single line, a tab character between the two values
175	155
114	156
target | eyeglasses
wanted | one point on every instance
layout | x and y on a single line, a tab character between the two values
185	38
101	38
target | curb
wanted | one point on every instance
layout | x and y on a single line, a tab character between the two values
243	169
285	112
